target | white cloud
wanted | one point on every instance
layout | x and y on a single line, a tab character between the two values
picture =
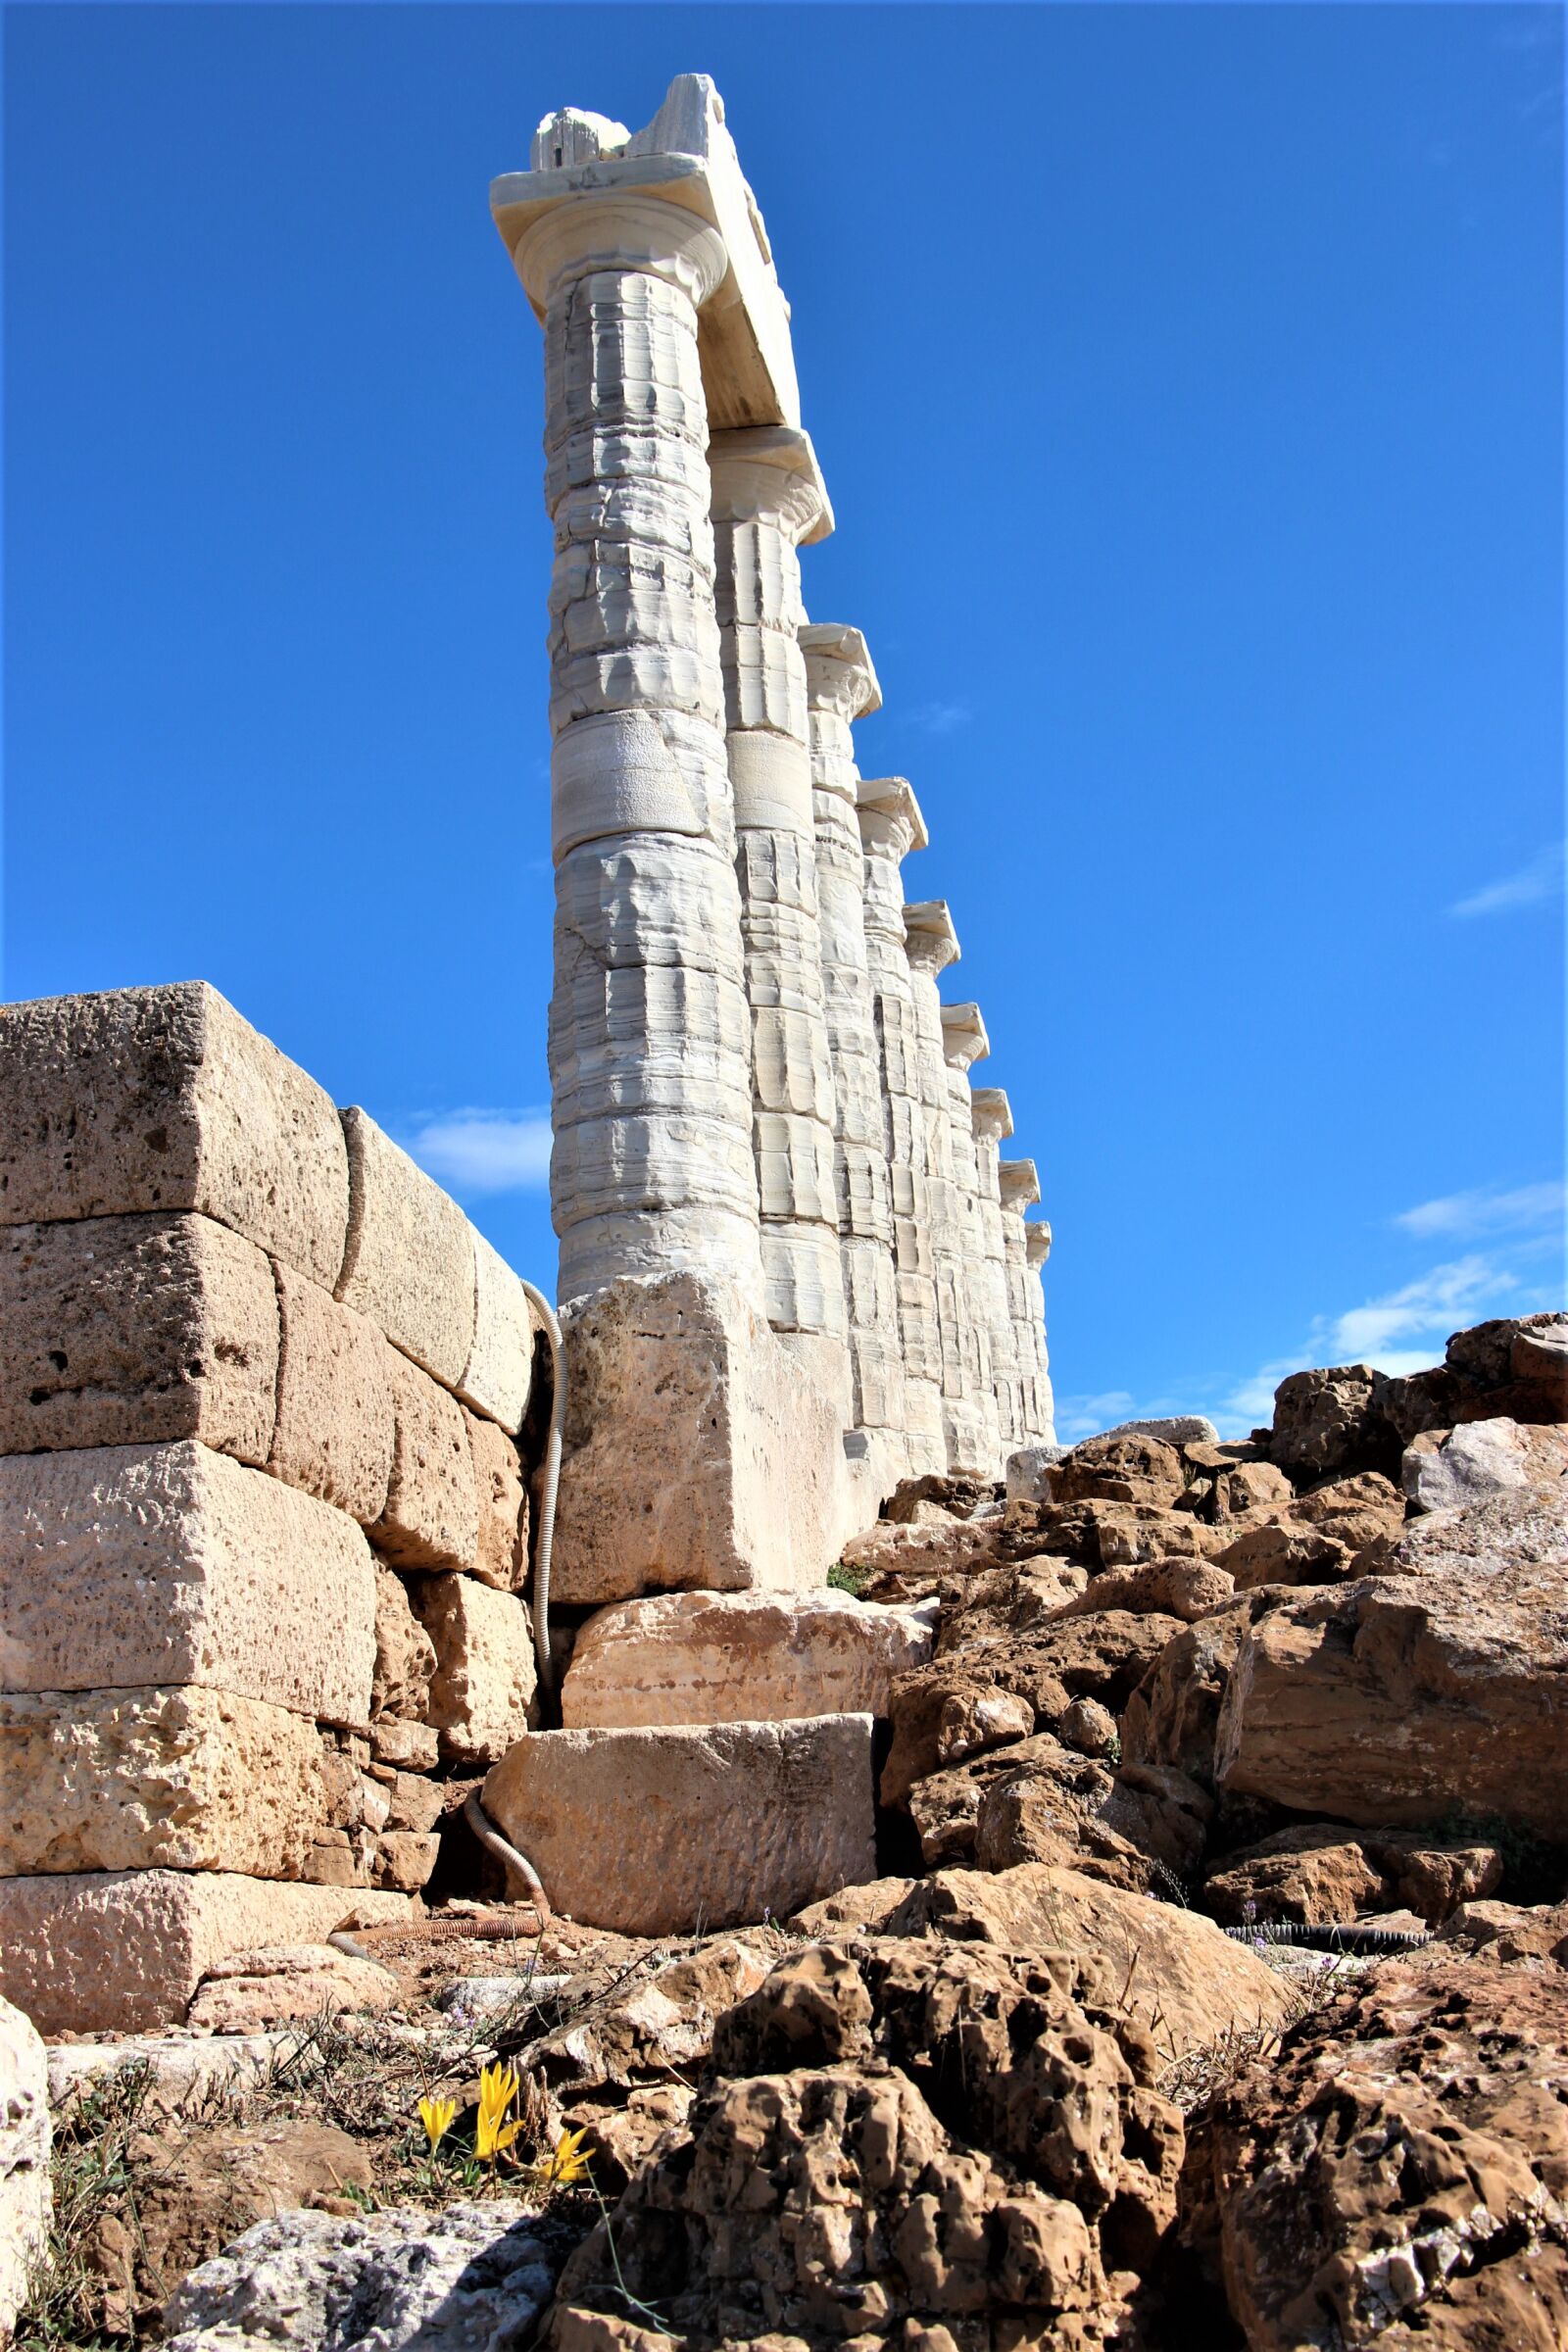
1530	886
1435	1301
479	1151
1465	1216
1086	1416
940	718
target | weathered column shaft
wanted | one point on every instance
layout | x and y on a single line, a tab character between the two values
1037	1248
964	1043
1020	1186
650	1046
992	1117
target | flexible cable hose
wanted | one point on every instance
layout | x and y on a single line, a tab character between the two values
515	1864
552	1480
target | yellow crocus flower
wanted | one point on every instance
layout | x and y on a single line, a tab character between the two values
497	2087
568	2165
436	2116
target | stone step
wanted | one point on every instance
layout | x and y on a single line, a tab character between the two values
670	1829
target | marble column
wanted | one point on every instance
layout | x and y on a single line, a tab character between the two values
964	1043
650	1036
1019	1187
891	826
931	943
768	500
841	687
1037	1248
991	1114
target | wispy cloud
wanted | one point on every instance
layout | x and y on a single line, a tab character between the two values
940	718
1435	1302
1086	1416
480	1152
1466	1216
1541	879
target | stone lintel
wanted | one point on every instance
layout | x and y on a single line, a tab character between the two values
929	936
964	1036
1019	1180
771	468
991	1113
838	669
684	157
1037	1242
889	801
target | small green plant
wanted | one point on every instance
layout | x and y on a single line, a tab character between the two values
852	1581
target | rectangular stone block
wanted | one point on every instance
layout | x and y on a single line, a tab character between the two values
408	1262
334	1434
123	1951
501	1556
127	1565
148	1778
431	1519
162	1099
485	1673
663	1831
500	1367
135	1330
738	1657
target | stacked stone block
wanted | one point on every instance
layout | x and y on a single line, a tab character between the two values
263	1515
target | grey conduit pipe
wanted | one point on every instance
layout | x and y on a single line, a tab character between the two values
547	1492
515	1864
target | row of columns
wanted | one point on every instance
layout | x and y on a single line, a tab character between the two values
753	1074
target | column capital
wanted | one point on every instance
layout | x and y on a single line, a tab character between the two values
930	940
890	814
964	1036
1020	1181
618	229
1037	1243
838	675
770	472
991	1113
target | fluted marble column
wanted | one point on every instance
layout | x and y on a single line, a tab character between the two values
964	1043
891	827
768	500
931	945
991	1117
1019	1188
1037	1248
650	1038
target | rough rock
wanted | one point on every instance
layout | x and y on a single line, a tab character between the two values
486	1675
123	1951
1174	1428
408	1260
707	1657
1322	1873
431	1519
662	2026
944	1806
1028	1472
1396	1701
1280	1554
920	1555
246	1992
500	1551
1138	1826
130	1565
404	1656
499	1373
153	1099
1185	1589
1515	1368
472	2276
335	1426
133	1330
1120	1469
1173	1716
1447	1469
1510	1932
914	1500
717	1825
1396	2175
1329	1422
1090	1730
150	1779
26	2202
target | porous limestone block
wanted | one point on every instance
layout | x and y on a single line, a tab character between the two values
501	1554
667	1830
408	1262
485	1671
162	1099
126	1565
155	1777
133	1330
123	1951
334	1434
500	1367
738	1657
1447	1469
698	1452
431	1519
25	2201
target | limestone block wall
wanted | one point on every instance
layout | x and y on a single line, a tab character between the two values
263	1516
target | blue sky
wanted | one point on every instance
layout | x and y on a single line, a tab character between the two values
1188	386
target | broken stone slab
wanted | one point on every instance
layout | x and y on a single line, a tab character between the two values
468	2277
667	1830
247	1993
1175	1429
485	1671
431	1519
742	1658
26	2199
499	1373
683	1369
178	2063
126	1565
133	1330
482	2000
153	1099
409	1260
334	1434
1446	1469
156	1779
123	1951
1028	1472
